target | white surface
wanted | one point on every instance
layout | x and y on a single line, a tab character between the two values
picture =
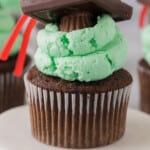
15	132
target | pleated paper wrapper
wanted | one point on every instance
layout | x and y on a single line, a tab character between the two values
144	81
12	91
77	120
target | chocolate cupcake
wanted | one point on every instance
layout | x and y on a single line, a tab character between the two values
11	88
77	114
78	92
144	63
144	75
144	71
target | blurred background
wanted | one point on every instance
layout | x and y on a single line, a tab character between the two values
132	33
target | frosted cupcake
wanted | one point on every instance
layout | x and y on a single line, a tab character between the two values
78	92
12	7
144	71
11	88
144	63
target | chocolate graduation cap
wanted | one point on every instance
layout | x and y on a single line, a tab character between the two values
53	10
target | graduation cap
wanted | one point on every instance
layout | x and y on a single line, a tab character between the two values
51	11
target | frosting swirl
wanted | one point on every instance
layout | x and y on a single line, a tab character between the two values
6	26
88	54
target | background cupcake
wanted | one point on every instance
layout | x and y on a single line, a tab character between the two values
11	88
12	7
78	93
144	63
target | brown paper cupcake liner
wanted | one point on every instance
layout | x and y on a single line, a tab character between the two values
77	120
144	78
11	91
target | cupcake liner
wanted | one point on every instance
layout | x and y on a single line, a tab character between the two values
76	20
144	81
77	120
11	91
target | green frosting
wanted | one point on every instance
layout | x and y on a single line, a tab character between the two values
146	43
6	26
88	54
10	5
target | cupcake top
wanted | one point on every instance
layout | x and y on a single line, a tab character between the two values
146	43
10	5
88	54
73	45
6	26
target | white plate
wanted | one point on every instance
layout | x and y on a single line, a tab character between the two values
15	132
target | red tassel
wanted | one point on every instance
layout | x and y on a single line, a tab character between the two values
12	38
22	55
143	16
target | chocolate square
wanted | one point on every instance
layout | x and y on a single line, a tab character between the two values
52	10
